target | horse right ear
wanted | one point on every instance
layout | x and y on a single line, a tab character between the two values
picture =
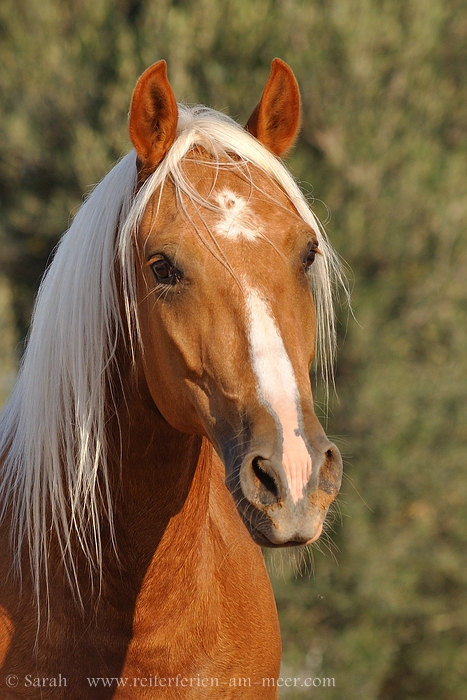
153	118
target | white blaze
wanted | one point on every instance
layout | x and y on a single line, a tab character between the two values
277	390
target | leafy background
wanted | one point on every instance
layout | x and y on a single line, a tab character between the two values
384	146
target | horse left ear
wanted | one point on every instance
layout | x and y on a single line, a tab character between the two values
275	121
153	118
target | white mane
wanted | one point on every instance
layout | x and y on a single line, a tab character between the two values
52	429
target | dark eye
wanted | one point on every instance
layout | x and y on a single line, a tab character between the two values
165	272
310	256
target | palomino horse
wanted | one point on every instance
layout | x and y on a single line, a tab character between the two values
162	426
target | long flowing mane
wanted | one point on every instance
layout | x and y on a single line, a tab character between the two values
52	441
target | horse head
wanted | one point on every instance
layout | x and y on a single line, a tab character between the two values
226	316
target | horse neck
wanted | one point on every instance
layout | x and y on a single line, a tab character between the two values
161	479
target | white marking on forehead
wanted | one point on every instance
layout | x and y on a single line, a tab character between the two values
277	390
236	220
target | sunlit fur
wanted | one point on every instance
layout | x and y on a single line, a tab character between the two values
52	429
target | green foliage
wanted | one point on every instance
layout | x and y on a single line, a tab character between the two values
384	145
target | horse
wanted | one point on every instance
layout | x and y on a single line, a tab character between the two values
162	429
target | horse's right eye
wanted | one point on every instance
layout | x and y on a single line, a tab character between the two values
164	271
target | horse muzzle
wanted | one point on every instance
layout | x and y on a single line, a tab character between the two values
270	508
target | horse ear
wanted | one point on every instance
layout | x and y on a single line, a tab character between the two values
153	118
275	121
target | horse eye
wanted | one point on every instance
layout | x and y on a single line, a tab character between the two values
310	257
164	271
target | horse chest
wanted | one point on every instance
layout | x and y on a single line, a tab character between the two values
210	627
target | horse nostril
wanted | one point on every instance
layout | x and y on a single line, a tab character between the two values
330	473
266	490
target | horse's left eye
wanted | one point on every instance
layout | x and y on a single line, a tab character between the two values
164	271
310	256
